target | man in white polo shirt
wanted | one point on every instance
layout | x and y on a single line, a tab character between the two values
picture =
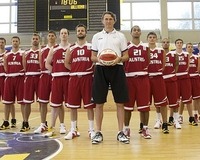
112	75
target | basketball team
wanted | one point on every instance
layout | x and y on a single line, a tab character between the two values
71	75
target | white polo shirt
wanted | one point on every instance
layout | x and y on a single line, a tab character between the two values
114	40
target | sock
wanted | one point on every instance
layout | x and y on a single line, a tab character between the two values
176	115
91	125
73	125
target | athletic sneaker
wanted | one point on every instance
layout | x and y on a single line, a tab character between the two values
50	133
145	133
25	127
91	134
180	119
13	123
196	118
121	137
42	128
127	132
141	127
62	129
5	125
158	124
171	121
165	128
192	122
177	125
71	135
98	138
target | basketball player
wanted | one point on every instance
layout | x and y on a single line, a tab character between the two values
60	74
157	84
5	124
78	61
136	69
184	84
14	82
45	82
114	75
169	75
32	75
194	69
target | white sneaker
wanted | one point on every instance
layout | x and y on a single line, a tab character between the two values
177	125
62	129
158	124
42	128
91	134
50	133
180	119
71	135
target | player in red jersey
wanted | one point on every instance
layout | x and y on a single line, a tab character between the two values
5	124
169	75
157	83
78	61
55	64
184	84
194	69
136	69
14	82
32	74
44	87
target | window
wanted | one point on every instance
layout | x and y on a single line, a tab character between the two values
140	13
182	14
8	22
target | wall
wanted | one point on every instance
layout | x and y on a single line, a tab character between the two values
187	36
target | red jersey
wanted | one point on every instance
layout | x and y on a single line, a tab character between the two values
81	63
58	61
193	66
183	64
156	62
44	53
2	71
32	62
169	72
138	60
14	63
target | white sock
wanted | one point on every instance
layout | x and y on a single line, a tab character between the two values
91	125
73	125
175	115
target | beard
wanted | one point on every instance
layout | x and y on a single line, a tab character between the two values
81	37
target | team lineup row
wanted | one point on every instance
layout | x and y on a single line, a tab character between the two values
71	73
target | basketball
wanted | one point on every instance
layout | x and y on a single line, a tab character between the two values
107	57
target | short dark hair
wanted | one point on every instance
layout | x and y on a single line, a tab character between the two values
110	13
134	27
3	39
189	43
53	32
178	40
16	37
151	33
81	25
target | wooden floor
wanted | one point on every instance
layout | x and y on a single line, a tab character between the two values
181	144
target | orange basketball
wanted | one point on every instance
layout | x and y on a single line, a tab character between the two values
107	57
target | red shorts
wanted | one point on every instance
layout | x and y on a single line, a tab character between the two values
139	92
172	93
31	88
184	90
13	87
80	88
44	88
158	91
59	90
195	83
2	78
